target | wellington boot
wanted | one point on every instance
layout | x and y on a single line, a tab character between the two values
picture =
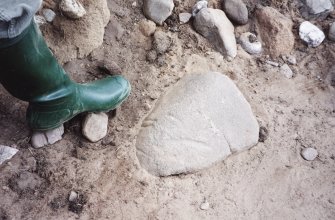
29	71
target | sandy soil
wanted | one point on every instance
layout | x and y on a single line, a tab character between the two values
270	181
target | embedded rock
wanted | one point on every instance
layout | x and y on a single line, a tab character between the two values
236	11
6	153
201	120
214	25
199	6
72	9
250	43
158	10
331	33
311	34
275	31
317	8
43	138
184	17
95	126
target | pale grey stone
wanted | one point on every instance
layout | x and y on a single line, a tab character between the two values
286	71
319	6
250	43
201	120
158	10
184	17
199	6
48	14
204	205
216	27
309	153
73	196
6	153
311	34
236	11
95	126
72	9
43	138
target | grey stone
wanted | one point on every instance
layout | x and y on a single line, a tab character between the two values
286	71
319	6
309	154
204	205
43	138
6	153
40	20
216	27
73	196
311	34
95	126
158	10
331	33
199	6
201	120
72	9
236	11
49	14
250	43
291	60
184	17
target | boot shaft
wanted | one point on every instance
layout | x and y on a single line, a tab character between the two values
28	69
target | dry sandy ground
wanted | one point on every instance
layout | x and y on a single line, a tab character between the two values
270	181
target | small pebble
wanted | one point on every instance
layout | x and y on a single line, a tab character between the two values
309	153
286	71
204	206
6	153
95	126
272	63
43	138
198	6
184	17
40	20
49	14
331	33
147	27
73	196
72	9
250	43
291	60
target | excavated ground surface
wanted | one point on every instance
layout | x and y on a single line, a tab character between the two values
270	181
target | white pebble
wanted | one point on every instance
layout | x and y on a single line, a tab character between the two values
311	34
72	9
6	153
73	196
95	126
43	138
198	6
291	60
204	206
40	20
184	17
251	46
309	153
49	14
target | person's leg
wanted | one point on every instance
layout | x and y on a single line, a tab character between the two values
29	72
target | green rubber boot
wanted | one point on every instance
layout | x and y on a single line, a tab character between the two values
29	71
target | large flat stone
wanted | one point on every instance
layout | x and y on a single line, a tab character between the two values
201	120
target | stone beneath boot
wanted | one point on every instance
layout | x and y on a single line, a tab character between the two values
200	121
95	126
43	138
6	153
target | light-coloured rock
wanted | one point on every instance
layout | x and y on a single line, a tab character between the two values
72	9
291	60
250	43
272	63
236	11
319	6
184	17
40	20
199	6
147	27
73	196
201	120
95	126
286	71
331	33
43	138
48	14
158	10
275	31
6	153
214	25
309	154
204	205
311	34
